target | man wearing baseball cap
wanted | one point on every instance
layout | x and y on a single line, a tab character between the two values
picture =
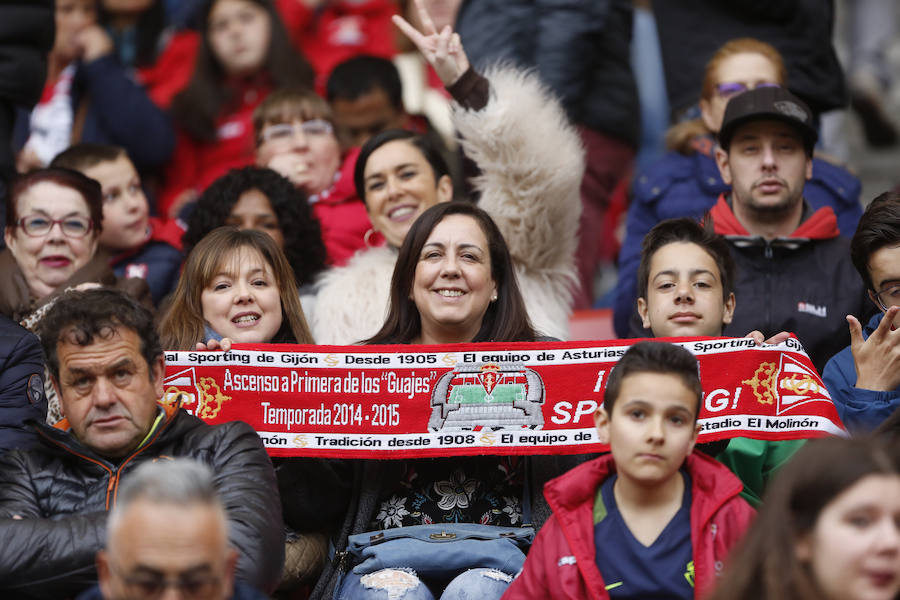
794	269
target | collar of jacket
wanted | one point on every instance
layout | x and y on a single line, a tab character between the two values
712	485
59	435
814	225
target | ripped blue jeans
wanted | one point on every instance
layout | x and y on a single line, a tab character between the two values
404	584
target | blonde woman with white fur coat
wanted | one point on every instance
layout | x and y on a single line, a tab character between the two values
531	163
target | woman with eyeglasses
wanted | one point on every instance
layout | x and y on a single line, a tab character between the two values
685	182
295	137
53	221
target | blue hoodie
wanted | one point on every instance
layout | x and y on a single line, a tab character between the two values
860	410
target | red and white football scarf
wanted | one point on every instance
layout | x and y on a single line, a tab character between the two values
470	399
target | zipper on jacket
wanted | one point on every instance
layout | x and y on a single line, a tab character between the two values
113	478
112	487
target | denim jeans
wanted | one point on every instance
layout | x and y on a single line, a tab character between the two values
403	584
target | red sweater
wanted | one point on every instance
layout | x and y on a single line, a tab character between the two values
561	564
196	164
338	31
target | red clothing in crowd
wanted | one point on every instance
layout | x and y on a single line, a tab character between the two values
196	164
561	564
343	215
172	70
338	31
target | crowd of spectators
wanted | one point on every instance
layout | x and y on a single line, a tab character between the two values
189	175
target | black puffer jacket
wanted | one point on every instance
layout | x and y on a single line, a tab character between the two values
62	491
21	385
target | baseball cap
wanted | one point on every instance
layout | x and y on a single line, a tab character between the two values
768	103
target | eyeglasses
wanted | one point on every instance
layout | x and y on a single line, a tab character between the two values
285	131
190	586
73	227
889	297
733	88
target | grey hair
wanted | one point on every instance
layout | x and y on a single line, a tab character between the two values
179	481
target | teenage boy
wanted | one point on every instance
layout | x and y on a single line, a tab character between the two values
864	378
686	288
650	519
139	245
794	268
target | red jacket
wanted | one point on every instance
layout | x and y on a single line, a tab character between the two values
561	563
338	30
196	164
343	216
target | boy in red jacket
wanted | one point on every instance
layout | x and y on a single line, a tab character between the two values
649	520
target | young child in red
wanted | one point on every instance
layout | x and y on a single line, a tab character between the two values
651	519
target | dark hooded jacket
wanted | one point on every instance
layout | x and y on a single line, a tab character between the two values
804	283
63	492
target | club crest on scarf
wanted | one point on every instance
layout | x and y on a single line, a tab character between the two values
475	396
787	385
199	396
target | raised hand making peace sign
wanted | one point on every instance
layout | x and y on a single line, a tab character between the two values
442	49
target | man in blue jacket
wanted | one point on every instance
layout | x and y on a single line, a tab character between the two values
864	378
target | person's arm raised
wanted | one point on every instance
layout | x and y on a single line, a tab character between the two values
442	49
877	359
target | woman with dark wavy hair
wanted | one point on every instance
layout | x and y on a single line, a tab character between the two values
261	199
453	282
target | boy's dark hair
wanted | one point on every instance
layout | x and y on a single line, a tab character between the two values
86	155
78	317
879	226
362	74
688	231
654	357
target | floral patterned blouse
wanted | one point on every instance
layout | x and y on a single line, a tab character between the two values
485	490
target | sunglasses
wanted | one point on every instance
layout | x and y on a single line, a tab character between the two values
733	88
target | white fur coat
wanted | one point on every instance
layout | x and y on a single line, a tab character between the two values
532	162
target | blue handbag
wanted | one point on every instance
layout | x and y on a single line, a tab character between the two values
435	551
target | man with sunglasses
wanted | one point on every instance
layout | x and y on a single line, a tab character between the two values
794	271
106	364
864	378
